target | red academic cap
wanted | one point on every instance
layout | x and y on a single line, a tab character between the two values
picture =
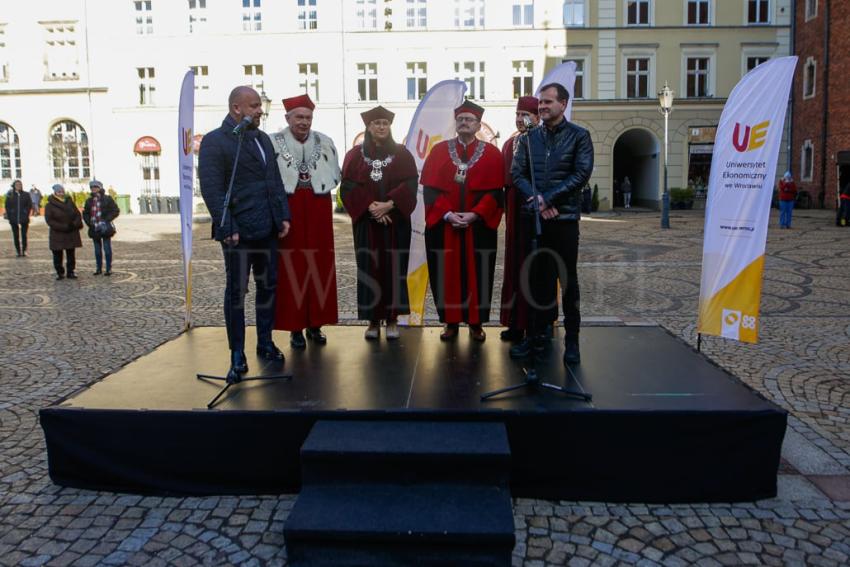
470	107
528	104
377	113
300	101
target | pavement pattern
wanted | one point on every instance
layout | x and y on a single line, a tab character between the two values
59	336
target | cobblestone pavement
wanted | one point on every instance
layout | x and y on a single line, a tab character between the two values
60	336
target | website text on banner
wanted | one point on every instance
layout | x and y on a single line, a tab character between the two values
740	188
185	124
565	75
432	122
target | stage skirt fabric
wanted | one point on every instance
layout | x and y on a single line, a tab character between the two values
306	289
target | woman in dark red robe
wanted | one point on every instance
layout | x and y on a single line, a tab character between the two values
463	179
379	184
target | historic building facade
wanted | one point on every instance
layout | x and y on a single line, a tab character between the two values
90	87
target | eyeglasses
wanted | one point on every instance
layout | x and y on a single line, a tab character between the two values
466	119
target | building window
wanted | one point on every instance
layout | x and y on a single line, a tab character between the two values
523	78
197	15
811	9
144	17
809	76
807	161
697	73
367	81
69	151
637	77
417	13
574	13
308	79
252	15
755	61
202	81
699	12
471	73
523	11
417	80
758	11
61	61
149	166
469	13
367	14
4	57
307	17
254	76
637	12
10	154
578	88
147	88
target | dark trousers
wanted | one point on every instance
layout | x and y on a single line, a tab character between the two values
261	257
103	246
555	260
844	212
19	235
70	261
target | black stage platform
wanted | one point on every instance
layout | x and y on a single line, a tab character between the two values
665	424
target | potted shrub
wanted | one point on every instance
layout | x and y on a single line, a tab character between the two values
681	198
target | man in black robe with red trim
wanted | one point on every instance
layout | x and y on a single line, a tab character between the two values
462	180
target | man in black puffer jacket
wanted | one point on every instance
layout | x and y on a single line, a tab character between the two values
562	155
249	227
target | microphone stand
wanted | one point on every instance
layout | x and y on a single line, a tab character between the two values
228	214
530	369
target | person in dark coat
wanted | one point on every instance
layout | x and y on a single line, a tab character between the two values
65	222
35	196
379	184
18	210
98	213
249	228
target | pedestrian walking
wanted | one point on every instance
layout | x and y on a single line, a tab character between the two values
627	193
65	222
35	196
18	210
787	196
844	210
98	213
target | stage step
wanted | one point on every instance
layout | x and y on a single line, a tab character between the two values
406	451
402	493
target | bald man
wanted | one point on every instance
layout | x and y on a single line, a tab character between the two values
250	226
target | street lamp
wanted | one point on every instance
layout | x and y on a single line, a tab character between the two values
665	100
267	104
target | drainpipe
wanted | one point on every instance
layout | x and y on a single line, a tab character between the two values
825	119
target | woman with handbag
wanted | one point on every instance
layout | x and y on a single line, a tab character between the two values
63	218
98	213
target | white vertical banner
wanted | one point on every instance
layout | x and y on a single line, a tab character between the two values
185	125
565	75
432	123
740	187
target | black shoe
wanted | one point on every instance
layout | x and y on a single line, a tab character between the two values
97	273
233	376
528	346
512	335
571	353
238	361
270	352
315	334
107	273
71	276
296	340
60	276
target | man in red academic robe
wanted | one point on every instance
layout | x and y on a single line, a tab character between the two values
309	166
463	179
514	314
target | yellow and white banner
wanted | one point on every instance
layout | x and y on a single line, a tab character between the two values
185	124
432	123
746	149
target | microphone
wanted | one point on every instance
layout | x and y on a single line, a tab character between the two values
246	121
526	121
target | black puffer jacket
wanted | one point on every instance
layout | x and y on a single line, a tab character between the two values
109	211
563	162
18	207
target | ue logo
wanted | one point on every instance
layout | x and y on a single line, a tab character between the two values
754	136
